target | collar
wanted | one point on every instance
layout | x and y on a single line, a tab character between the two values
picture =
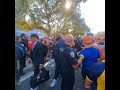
35	42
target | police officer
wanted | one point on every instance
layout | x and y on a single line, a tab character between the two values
68	63
59	42
24	40
21	60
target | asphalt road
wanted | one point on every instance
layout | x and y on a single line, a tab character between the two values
46	86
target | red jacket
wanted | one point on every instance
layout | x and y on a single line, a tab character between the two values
30	44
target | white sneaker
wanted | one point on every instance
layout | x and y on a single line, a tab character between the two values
34	88
53	83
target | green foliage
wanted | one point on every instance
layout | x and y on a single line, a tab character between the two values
50	16
100	34
25	26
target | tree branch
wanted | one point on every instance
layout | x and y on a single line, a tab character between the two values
54	6
40	27
30	12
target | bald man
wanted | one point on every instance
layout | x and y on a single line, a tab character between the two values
68	63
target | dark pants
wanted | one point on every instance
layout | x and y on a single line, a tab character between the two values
94	84
36	70
17	75
57	70
22	65
68	80
24	62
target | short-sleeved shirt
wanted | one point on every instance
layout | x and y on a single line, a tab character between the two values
97	71
91	56
67	59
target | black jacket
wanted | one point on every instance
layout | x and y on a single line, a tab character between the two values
78	45
18	53
22	46
25	42
37	54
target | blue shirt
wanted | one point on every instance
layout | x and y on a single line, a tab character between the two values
96	70
97	73
91	56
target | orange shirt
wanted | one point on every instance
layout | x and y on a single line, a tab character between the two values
100	50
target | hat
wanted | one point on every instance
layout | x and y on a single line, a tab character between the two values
88	40
23	35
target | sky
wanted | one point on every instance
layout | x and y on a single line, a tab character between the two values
93	11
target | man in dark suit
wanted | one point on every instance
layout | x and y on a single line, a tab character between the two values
37	54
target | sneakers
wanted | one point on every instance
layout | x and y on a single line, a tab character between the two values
34	88
53	83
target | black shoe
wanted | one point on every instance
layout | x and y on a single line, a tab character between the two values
22	74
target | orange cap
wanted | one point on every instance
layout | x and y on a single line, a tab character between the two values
88	39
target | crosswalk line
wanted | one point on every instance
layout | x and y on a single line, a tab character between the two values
49	62
29	74
23	78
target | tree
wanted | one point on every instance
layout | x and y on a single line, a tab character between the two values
73	21
100	34
50	16
23	8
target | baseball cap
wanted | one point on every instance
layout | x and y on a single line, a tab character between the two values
23	35
88	40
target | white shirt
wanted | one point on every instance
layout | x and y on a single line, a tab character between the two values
34	44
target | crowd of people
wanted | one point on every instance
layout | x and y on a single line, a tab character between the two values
69	54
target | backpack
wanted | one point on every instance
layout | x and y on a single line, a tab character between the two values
19	53
44	76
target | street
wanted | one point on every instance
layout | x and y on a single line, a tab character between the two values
50	65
